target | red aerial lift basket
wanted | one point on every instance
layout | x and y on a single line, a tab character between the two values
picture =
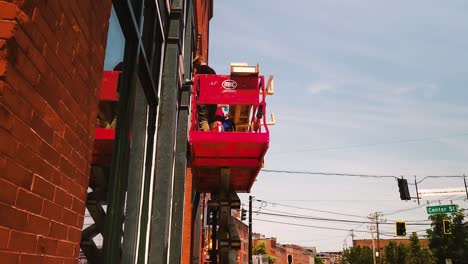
104	137
242	151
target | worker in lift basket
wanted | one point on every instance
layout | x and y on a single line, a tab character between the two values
206	112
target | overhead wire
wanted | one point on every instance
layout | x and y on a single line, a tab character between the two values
266	202
309	209
339	174
329	200
399	141
320	227
422	205
261	209
329	173
440	176
328	219
311	226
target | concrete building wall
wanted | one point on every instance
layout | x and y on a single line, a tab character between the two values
51	61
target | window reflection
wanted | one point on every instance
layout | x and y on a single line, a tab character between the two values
115	43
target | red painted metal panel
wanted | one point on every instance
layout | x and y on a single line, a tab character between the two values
109	83
241	180
227	89
103	145
229	144
104	138
226	162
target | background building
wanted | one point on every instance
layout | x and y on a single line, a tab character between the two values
384	242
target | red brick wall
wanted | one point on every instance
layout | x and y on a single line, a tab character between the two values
203	12
297	253
274	249
243	230
384	242
51	60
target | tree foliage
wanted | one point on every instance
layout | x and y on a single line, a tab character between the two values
416	253
395	253
358	255
448	246
318	260
259	249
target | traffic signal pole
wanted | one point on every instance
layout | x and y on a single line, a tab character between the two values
250	229
416	184
466	188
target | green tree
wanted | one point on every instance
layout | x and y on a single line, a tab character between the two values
318	260
418	254
448	246
441	245
358	255
395	253
460	238
259	249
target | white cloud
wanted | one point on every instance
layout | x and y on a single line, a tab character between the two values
319	87
393	85
426	89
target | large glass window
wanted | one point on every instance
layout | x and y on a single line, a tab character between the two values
127	116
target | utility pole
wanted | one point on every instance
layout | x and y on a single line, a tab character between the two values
373	247
371	227
352	237
466	188
378	237
250	229
417	192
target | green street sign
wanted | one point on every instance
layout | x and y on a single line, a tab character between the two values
442	209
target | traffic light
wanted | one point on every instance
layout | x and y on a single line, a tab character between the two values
243	214
210	215
403	188
447	229
400	228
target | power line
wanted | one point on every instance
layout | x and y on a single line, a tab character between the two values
318	227
283	213
330	174
329	200
422	205
309	209
328	219
400	141
404	210
436	177
311	240
338	174
312	218
264	203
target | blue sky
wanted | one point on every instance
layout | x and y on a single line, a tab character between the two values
372	87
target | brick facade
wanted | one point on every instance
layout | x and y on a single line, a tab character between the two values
51	60
280	252
383	242
203	12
